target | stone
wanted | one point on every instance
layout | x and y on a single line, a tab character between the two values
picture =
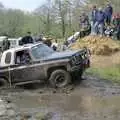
2	108
11	106
11	113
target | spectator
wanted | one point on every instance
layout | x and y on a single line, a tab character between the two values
116	23
100	22
55	45
108	13
27	39
65	45
48	42
39	38
109	31
84	25
93	20
5	44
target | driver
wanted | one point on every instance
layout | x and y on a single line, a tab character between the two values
25	58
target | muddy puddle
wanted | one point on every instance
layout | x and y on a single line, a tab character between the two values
87	101
71	107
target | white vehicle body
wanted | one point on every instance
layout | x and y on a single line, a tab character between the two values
12	52
73	38
14	42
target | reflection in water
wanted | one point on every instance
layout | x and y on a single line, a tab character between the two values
73	106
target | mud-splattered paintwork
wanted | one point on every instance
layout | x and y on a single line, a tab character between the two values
38	70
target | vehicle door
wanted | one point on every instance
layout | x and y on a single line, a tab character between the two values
22	71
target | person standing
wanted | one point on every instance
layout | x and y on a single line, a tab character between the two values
84	24
93	17
108	12
5	44
116	23
100	22
27	39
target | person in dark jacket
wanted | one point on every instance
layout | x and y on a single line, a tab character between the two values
84	21
108	12
84	25
27	39
100	22
5	44
93	20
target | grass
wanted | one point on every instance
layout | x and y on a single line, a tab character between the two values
109	73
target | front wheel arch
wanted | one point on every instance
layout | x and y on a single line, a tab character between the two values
50	70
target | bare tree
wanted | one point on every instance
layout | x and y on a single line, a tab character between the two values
44	11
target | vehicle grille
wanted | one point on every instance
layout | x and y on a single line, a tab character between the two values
78	58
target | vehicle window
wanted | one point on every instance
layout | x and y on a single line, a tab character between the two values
22	57
41	51
8	58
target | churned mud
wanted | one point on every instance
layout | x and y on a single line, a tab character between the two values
92	99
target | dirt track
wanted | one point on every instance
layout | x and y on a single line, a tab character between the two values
93	99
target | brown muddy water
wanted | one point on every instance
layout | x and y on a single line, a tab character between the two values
93	99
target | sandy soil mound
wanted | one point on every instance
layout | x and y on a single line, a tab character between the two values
97	45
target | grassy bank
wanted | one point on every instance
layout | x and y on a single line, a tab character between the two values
109	73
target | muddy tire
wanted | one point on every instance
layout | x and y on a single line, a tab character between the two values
59	78
3	83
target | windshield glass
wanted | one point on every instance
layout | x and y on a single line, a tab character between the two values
41	51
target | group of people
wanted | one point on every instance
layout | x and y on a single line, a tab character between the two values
29	39
48	41
100	22
25	40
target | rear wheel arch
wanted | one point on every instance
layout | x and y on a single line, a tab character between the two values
4	82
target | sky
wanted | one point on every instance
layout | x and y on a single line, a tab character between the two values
26	5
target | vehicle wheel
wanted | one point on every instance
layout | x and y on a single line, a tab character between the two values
60	78
3	83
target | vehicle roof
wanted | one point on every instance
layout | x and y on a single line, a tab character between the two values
27	46
15	39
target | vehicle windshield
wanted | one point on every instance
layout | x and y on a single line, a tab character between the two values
40	51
